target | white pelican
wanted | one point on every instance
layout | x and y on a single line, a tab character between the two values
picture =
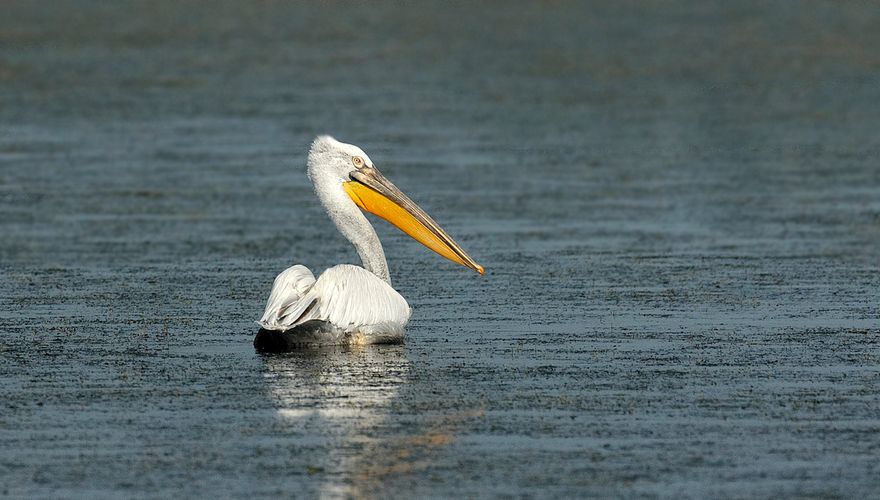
350	304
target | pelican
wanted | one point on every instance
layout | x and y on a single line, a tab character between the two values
349	304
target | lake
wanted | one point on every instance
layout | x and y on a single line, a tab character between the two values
677	205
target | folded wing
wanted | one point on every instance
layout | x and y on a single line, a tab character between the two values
349	297
290	287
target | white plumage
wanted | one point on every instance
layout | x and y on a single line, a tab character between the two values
359	304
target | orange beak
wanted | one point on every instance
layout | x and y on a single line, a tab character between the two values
372	192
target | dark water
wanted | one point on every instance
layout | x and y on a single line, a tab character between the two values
677	204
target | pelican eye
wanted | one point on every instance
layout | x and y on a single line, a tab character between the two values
358	161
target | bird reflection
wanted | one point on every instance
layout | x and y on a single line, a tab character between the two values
337	382
343	406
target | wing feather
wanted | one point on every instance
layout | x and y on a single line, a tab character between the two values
346	296
351	297
288	290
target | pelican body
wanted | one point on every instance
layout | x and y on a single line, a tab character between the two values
350	304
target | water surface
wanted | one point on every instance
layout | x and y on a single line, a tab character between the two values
677	204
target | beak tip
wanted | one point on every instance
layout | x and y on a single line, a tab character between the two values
481	270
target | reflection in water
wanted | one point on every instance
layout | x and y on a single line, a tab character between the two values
338	383
341	401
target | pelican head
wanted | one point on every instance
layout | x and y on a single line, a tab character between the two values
346	179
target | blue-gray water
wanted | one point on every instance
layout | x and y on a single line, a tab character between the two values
677	204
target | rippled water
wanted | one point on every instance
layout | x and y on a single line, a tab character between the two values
677	204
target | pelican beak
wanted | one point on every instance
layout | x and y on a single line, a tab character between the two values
371	191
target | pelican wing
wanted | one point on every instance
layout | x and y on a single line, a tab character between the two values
348	297
351	297
290	287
